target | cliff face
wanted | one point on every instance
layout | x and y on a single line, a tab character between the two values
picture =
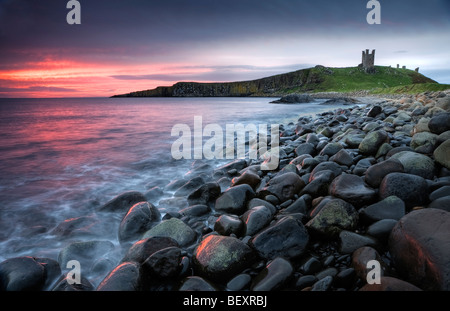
315	79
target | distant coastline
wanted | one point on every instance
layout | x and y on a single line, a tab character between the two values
318	79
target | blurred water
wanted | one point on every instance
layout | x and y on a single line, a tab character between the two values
63	158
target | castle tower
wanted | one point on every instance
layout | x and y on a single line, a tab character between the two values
368	61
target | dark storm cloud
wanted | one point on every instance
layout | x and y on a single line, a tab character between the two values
154	24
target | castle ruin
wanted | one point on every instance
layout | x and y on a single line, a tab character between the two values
368	61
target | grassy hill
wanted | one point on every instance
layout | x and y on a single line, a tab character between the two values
310	80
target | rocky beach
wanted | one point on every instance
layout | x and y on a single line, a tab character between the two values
370	181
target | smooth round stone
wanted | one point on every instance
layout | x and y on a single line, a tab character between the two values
144	248
411	189
440	123
256	219
239	282
284	186
123	202
305	281
21	274
419	248
389	208
125	277
173	228
277	272
442	203
311	266
164	263
229	224
219	257
381	229
375	173
327	272
370	144
234	199
196	283
441	154
416	164
323	284
440	192
140	218
352	189
336	215
351	241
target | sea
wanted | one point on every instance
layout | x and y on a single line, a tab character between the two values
61	159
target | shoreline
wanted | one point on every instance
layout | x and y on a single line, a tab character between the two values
338	199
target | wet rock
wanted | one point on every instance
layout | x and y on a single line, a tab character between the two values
362	166
374	111
323	284
189	186
21	274
153	194
284	186
441	154
229	224
411	189
342	157
440	192
239	282
123	202
331	149
277	272
305	148
388	283
258	202
319	183
328	165
389	208
351	241
77	226
416	164
375	173
361	257
234	200
305	281
311	266
286	238
219	257
424	142
442	203
125	277
85	252
173	228
164	263
336	215
352	189
419	248
250	178
381	229
439	123
256	218
301	205
140	218
196	283
144	248
205	194
64	285
370	144
195	210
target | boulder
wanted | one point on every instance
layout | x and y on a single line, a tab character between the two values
144	248
140	218
416	163
419	245
220	257
411	189
370	144
125	277
441	154
352	189
284	186
286	238
439	123
21	274
234	199
375	173
336	215
388	284
256	219
389	208
205	194
273	276
173	228
123	202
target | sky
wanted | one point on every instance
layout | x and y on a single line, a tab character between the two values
125	46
